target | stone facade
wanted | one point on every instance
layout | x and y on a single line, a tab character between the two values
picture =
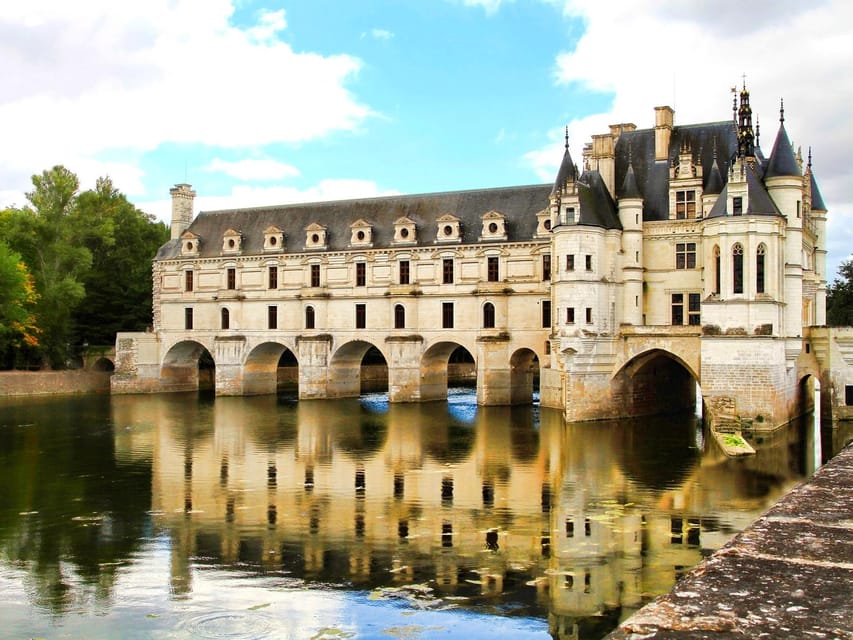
678	255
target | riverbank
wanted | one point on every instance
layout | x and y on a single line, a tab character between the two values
43	383
787	576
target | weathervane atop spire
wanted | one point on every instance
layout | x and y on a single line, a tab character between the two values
809	165
782	110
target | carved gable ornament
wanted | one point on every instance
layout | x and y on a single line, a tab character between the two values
315	236
494	226
190	244
232	241
273	239
362	233
405	231
449	229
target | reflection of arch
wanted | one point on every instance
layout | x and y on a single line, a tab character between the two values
524	373
187	366
654	382
345	368
658	453
261	371
434	365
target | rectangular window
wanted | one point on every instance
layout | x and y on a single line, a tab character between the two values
493	273
188	280
447	315
737	206
272	317
546	314
685	255
188	318
588	262
694	307
685	204
447	271
315	275
570	215
273	278
360	274
570	262
677	308
360	316
546	266
404	272
589	315
848	395
231	278
570	315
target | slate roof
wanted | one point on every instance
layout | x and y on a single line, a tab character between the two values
817	199
518	204
597	208
758	199
782	160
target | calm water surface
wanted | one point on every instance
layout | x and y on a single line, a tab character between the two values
179	516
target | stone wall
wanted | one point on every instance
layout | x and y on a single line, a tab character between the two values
35	383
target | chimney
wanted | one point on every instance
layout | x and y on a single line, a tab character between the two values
664	118
182	208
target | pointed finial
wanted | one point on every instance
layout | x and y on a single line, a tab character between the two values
734	103
744	82
715	149
631	155
782	110
809	165
757	132
567	138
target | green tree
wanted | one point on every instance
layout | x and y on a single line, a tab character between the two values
48	237
122	240
17	299
839	297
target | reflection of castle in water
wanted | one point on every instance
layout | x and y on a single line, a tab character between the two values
580	521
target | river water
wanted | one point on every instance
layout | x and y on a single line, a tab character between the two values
184	516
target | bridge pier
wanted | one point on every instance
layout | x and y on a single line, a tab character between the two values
494	377
314	355
404	368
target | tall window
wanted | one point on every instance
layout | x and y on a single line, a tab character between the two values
188	318
685	204
225	319
588	261
570	215
570	315
404	272
360	316
272	317
685	255
717	270
188	280
273	278
546	314
759	268
488	316
315	275
399	316
737	206
447	315
231	278
570	262
309	317
589	315
447	271
677	308
546	266
360	274
737	268
492	266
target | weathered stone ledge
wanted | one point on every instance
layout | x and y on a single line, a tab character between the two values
789	575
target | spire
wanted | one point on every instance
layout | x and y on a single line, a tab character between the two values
745	135
567	173
782	161
817	203
630	189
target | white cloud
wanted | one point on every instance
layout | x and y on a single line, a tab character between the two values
242	196
381	34
258	169
82	79
648	53
490	6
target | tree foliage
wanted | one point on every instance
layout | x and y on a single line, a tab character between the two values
17	300
90	257
839	297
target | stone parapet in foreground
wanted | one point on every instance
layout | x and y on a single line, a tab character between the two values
790	575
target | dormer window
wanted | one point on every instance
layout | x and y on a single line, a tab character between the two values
273	239
737	206
405	231
190	244
315	236
543	223
685	204
449	229
232	241
494	226
362	234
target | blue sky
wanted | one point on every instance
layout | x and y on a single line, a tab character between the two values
260	102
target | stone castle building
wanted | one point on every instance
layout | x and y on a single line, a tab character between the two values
678	254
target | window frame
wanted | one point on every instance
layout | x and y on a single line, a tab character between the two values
685	255
447	315
488	315
360	315
493	269
447	271
272	316
315	275
272	277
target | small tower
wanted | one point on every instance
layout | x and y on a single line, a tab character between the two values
182	208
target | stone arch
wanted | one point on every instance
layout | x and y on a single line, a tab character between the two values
524	375
103	364
434	368
187	366
655	381
261	368
345	368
